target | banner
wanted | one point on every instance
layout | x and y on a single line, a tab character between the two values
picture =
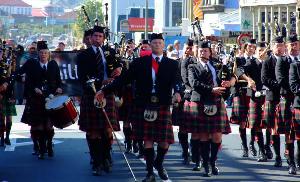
68	72
197	12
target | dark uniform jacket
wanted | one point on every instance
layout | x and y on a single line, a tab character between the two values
282	75
184	75
240	62
294	81
140	71
269	80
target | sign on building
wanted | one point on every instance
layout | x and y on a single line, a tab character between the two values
138	24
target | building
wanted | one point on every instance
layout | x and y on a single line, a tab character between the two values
270	18
15	7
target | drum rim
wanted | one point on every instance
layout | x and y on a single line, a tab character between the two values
60	107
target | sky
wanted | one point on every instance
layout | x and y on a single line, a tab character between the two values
37	3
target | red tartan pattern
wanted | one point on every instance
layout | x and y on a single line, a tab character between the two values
284	115
197	122
240	108
158	131
256	113
92	119
296	123
270	110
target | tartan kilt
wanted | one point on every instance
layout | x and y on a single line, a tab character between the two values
35	112
125	109
198	122
160	130
296	123
9	109
2	122
284	115
269	115
240	108
177	114
255	113
92	119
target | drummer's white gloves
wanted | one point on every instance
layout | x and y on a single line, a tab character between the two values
38	91
59	91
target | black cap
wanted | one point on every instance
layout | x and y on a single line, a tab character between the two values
145	42
42	45
292	38
130	41
156	36
278	39
204	44
190	42
88	32
98	29
251	41
261	44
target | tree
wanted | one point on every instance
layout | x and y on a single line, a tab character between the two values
94	10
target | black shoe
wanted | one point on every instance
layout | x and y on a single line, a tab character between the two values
245	153
278	162
149	178
107	167
215	170
269	152
262	158
206	171
7	141
292	169
197	168
253	150
41	156
162	172
96	171
128	146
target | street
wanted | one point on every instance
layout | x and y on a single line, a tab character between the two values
71	161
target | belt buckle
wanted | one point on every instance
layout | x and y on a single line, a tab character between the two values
154	99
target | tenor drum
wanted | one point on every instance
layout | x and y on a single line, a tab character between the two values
62	111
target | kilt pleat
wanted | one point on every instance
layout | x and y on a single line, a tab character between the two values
270	109
197	122
256	113
92	119
125	109
240	108
296	123
284	115
160	130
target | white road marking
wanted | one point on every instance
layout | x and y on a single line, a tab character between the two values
14	144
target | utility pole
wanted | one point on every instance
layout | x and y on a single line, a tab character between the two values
146	20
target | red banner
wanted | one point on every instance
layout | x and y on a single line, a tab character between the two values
138	24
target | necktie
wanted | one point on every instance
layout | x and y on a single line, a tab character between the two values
157	60
100	66
209	75
44	68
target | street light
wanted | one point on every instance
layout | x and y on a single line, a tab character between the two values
146	20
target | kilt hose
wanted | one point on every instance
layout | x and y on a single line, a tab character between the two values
240	108
198	122
296	123
255	113
284	115
158	131
92	119
269	115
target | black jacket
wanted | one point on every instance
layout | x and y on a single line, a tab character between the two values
184	75
201	91
140	71
282	75
252	69
268	79
240	62
36	78
294	81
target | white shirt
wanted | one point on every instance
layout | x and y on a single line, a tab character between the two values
212	69
153	71
42	65
246	56
293	58
179	53
103	58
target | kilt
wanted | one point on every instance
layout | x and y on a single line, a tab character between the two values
255	113
198	122
35	112
177	114
9	109
2	122
92	119
284	115
160	130
269	114
125	109
240	109
296	123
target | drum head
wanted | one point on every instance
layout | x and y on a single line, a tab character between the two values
56	102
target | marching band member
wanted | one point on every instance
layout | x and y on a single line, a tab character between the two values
93	64
208	116
153	95
43	79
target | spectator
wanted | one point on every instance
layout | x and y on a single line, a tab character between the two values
177	53
61	46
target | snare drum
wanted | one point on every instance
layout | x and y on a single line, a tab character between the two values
62	111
